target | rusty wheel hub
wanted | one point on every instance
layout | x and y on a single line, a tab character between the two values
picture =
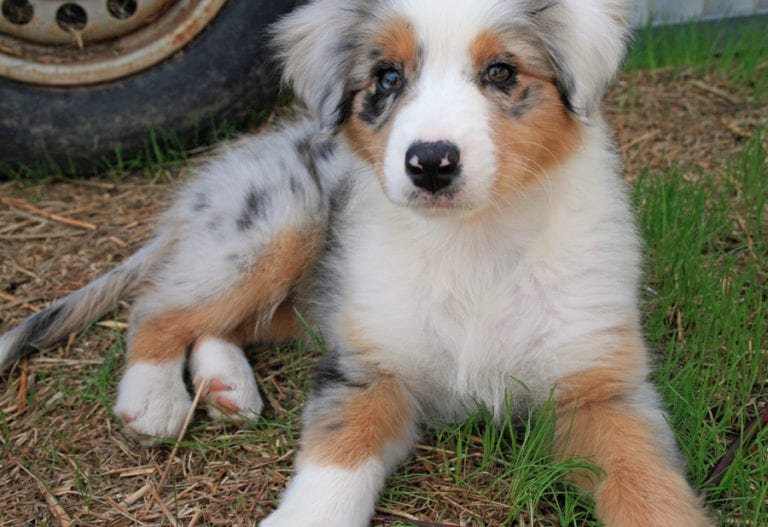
66	43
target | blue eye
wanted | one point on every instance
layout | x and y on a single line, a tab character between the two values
390	80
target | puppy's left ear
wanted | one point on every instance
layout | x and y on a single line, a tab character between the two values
317	44
586	40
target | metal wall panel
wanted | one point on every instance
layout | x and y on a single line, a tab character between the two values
670	11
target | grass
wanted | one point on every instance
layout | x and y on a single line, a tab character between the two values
738	50
708	317
162	151
63	460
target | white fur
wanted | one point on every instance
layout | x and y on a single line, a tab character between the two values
216	359
153	401
347	497
590	36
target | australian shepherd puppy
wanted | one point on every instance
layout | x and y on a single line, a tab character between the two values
451	219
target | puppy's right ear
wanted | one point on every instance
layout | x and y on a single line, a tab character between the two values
317	44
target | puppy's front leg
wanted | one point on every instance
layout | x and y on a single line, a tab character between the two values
608	416
355	432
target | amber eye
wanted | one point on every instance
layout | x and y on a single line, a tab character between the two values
389	80
500	74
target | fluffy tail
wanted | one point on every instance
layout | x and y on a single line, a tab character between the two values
77	310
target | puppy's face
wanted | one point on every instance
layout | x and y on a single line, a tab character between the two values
457	104
456	107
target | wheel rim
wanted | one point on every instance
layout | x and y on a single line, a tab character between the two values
67	43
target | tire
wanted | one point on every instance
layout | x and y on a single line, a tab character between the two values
224	72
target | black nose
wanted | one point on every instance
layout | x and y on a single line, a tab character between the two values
432	166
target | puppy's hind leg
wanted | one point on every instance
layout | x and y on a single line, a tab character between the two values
231	392
152	399
246	231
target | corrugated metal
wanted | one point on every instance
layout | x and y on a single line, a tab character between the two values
665	11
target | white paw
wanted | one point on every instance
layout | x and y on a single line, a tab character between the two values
152	401
282	518
232	392
324	496
285	516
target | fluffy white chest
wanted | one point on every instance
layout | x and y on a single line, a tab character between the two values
462	322
491	309
462	346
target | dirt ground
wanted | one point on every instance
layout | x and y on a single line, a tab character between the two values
63	458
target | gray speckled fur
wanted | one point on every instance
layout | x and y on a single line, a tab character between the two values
215	230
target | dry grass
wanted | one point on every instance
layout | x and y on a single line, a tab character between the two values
672	117
63	457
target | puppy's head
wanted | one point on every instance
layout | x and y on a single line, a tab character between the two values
456	104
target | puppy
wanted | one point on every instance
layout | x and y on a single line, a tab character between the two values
451	220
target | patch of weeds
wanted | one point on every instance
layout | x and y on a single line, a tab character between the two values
100	381
490	464
708	317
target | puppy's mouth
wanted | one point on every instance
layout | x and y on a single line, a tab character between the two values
447	200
